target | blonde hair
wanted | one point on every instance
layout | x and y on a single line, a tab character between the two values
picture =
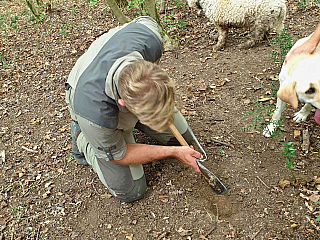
149	93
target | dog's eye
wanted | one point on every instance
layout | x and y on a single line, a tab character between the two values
311	90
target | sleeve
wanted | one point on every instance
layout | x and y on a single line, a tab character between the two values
108	144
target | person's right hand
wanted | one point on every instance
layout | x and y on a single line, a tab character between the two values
307	47
187	156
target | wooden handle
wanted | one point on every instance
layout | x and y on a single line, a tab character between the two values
178	135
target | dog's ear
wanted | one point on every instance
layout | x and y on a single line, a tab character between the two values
287	93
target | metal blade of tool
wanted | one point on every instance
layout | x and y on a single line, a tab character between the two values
214	182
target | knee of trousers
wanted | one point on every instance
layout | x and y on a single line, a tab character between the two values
138	191
187	136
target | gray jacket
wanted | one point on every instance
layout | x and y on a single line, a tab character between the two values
95	75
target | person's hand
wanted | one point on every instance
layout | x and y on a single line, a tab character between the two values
187	156
307	47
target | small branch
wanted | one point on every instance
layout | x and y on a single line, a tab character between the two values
28	149
210	231
263	182
223	143
94	188
254	236
38	233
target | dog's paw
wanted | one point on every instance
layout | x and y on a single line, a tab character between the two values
300	116
268	130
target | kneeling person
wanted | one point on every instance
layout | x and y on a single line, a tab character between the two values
115	87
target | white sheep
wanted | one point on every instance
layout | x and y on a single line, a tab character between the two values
262	16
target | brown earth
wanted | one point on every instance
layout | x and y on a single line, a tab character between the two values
45	194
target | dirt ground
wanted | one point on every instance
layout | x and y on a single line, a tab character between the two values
45	194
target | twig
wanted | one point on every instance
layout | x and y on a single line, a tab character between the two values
38	233
208	214
263	182
223	143
28	149
253	237
210	231
92	184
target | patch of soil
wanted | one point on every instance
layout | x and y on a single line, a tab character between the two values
45	194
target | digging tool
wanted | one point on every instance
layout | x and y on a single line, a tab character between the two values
214	182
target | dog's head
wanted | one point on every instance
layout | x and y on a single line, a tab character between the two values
303	80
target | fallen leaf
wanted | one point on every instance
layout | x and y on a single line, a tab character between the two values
264	99
46	195
130	237
221	83
314	198
246	101
183	111
184	232
164	199
203	88
203	237
34	121
284	183
296	133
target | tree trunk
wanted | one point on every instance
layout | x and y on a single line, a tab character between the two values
117	12
34	9
169	43
162	6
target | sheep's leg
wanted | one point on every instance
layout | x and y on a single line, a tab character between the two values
222	33
258	37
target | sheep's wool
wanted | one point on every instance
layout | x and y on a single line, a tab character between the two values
259	15
245	13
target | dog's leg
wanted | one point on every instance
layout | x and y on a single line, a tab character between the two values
303	113
272	126
222	38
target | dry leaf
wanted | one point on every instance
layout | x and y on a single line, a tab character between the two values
34	121
284	183
246	101
184	232
130	237
221	83
203	88
183	111
46	195
164	199
314	198
264	99
203	237
296	133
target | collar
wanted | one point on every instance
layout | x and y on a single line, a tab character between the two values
111	86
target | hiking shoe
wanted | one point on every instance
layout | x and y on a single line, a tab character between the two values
75	131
